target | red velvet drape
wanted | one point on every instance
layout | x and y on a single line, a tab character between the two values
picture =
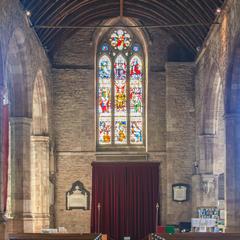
5	147
127	193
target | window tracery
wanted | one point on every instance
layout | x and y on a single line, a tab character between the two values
120	91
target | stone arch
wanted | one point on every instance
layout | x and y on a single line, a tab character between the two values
232	168
6	132
40	155
144	40
219	148
17	72
143	35
233	84
210	101
2	172
18	81
210	117
39	106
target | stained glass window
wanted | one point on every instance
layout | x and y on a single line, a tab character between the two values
136	47
104	99
120	39
120	91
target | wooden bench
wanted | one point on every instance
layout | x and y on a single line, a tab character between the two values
56	236
198	236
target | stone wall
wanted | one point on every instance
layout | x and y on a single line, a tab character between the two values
180	118
213	88
74	122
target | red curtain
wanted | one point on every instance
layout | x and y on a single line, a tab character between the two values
5	147
128	194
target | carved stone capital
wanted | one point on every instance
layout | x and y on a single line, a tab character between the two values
52	178
3	218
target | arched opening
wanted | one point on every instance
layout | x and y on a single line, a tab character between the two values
40	155
121	73
212	124
17	82
212	144
232	168
4	143
17	73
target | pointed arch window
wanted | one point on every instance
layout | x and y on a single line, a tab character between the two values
120	91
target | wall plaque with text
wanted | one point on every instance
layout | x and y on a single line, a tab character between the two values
180	192
78	197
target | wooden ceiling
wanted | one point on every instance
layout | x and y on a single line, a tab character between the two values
188	21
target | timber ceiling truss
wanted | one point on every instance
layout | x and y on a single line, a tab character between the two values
188	21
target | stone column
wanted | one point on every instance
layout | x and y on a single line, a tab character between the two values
232	179
2	225
206	143
21	175
203	182
40	182
52	179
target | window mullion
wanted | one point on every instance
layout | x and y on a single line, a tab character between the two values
113	101
128	102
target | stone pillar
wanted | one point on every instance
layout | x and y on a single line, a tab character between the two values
40	182
52	179
21	175
206	143
204	181
2	220
232	179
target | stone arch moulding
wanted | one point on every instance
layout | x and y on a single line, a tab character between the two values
210	102
40	166
232	168
39	106
17	74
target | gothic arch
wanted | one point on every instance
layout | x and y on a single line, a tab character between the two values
210	102
212	136
16	73
40	155
233	84
39	106
232	169
143	35
144	40
18	81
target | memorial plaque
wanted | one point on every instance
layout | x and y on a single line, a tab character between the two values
78	197
180	192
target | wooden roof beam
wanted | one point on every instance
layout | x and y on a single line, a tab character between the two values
121	8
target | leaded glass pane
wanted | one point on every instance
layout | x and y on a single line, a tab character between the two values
136	47
104	130
105	47
120	39
104	86
136	129
120	130
120	68
104	68
136	87
136	100
104	100
120	91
